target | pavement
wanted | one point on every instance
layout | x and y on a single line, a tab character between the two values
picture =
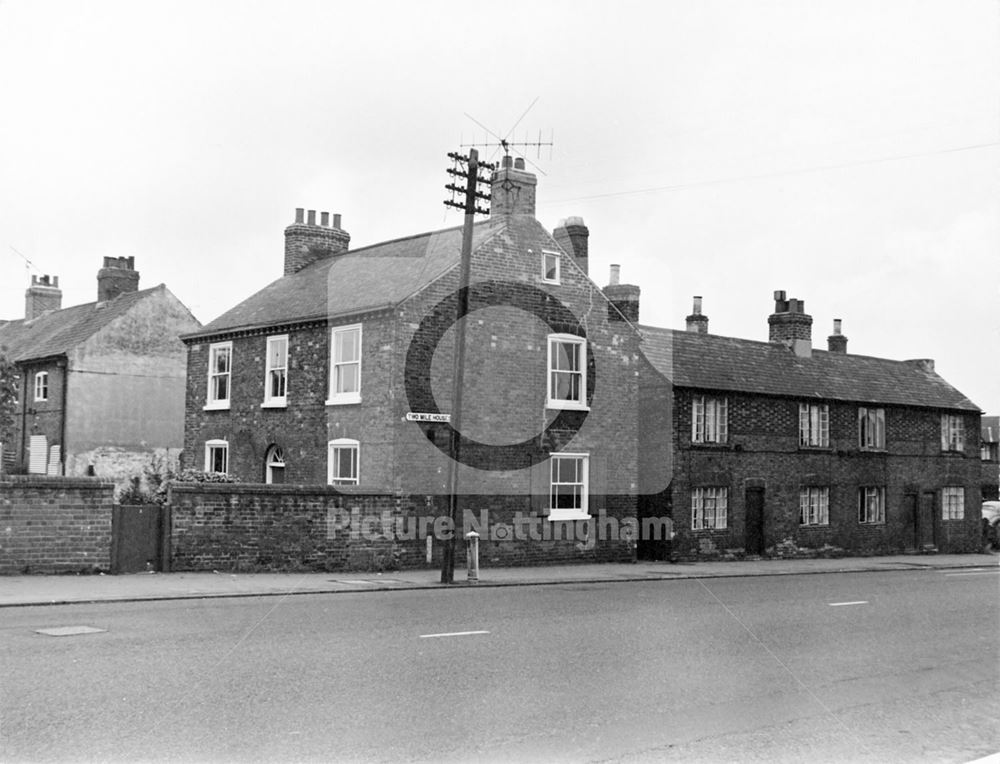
19	591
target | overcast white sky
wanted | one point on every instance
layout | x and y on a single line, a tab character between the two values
846	152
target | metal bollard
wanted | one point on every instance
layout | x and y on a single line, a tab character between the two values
472	555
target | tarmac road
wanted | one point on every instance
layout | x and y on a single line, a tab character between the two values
888	666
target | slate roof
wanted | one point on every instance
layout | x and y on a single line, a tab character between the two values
58	332
356	281
712	362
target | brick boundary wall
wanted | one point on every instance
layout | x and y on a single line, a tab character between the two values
55	524
255	527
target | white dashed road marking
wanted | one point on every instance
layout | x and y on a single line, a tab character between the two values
69	631
858	602
453	634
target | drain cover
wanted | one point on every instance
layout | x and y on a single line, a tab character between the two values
69	631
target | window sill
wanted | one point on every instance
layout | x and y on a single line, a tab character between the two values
567	406
343	400
221	406
556	516
276	404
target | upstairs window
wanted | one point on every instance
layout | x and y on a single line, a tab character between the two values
709	419
42	386
567	387
217	456
220	368
871	505
568	487
814	506
871	429
551	267
345	366
276	371
342	462
952	433
953	503
814	425
709	508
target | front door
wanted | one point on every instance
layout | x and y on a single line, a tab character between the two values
910	521
755	521
925	521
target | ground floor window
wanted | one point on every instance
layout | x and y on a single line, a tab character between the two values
342	462
953	503
217	456
709	508
814	506
871	505
568	487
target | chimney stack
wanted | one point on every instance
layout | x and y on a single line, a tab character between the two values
696	322
512	190
624	298
306	241
836	342
118	276
572	235
791	325
43	296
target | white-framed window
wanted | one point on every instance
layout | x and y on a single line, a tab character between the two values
217	456
709	419
871	429
343	462
345	364
568	485
952	432
814	425
567	387
953	503
220	374
276	371
814	506
871	505
41	386
551	267
274	465
709	508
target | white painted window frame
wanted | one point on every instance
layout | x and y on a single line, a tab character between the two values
338	445
953	502
871	428
581	512
212	403
580	345
952	433
548	254
814	425
871	505
41	386
353	396
271	400
814	505
700	498
709	419
213	445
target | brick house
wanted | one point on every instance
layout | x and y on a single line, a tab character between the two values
101	385
779	448
339	372
989	453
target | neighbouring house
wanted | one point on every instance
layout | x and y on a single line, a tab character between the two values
781	448
100	385
339	373
989	453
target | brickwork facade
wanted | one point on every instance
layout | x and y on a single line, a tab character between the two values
761	459
55	525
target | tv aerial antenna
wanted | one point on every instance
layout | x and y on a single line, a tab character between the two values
504	143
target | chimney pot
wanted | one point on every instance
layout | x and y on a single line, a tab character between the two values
696	309
519	163
696	322
311	220
324	219
573	236
836	326
779	295
836	342
615	278
507	162
300	215
336	220
789	322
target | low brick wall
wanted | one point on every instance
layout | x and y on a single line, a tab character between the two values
55	524
251	527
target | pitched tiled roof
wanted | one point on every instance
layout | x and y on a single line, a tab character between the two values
711	362
991	429
58	332
353	282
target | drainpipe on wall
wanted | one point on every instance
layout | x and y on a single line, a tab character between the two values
65	384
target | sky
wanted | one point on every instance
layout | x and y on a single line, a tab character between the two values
846	152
